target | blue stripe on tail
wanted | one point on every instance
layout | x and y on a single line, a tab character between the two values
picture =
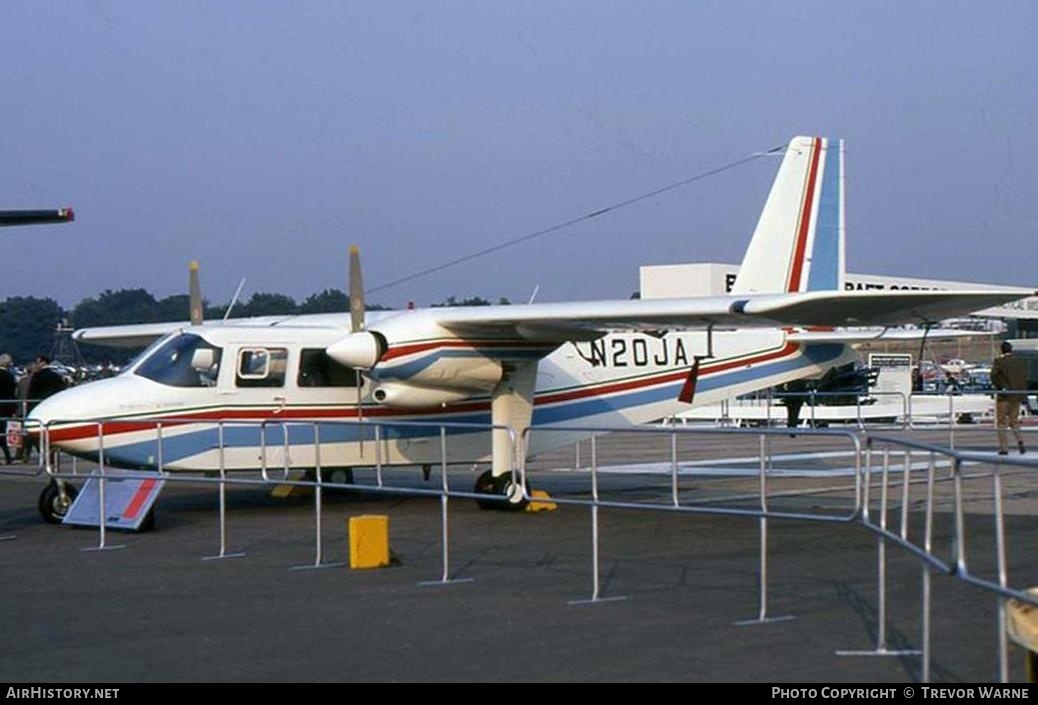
825	255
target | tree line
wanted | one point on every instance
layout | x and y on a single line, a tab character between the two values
28	323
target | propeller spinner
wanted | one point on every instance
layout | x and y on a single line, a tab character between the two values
360	349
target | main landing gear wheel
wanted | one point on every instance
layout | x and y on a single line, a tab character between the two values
52	507
504	486
339	476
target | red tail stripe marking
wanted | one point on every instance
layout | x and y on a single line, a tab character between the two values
805	219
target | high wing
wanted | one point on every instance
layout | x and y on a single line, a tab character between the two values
550	325
821	308
128	336
141	334
562	322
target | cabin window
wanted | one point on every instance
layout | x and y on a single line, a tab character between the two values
185	360
262	367
316	369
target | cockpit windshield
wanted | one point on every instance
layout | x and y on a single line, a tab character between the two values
143	355
185	360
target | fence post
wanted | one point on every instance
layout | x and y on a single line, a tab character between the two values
1000	547
223	500
378	453
928	547
762	524
595	577
674	468
102	523
445	578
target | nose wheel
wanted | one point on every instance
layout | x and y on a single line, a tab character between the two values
506	486
55	501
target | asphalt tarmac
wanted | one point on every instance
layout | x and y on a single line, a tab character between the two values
155	611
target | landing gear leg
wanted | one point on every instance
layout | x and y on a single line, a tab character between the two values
511	410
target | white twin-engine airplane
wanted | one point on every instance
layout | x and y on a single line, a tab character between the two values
589	364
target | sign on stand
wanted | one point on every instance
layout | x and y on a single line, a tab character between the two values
895	373
127	499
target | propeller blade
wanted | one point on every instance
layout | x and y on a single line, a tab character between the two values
356	291
195	294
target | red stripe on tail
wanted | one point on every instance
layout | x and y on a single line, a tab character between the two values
805	220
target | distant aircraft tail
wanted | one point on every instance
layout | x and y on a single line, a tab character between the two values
798	244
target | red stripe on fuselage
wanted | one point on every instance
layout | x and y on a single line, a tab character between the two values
679	375
805	219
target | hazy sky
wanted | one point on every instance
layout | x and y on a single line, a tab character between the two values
263	138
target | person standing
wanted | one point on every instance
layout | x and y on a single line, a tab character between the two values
793	398
1009	377
45	382
8	402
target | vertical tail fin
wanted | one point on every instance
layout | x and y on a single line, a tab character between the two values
798	244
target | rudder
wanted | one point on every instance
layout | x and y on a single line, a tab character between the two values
798	244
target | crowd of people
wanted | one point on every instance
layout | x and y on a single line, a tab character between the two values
19	394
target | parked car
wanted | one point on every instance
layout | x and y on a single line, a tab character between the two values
978	381
955	367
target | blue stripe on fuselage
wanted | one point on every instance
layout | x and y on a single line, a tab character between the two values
812	355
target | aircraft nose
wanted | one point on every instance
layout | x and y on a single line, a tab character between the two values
94	400
51	409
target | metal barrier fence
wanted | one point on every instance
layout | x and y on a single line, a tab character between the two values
964	467
380	439
812	397
768	400
674	504
881	467
954	414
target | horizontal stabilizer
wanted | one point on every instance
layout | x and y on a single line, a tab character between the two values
849	336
